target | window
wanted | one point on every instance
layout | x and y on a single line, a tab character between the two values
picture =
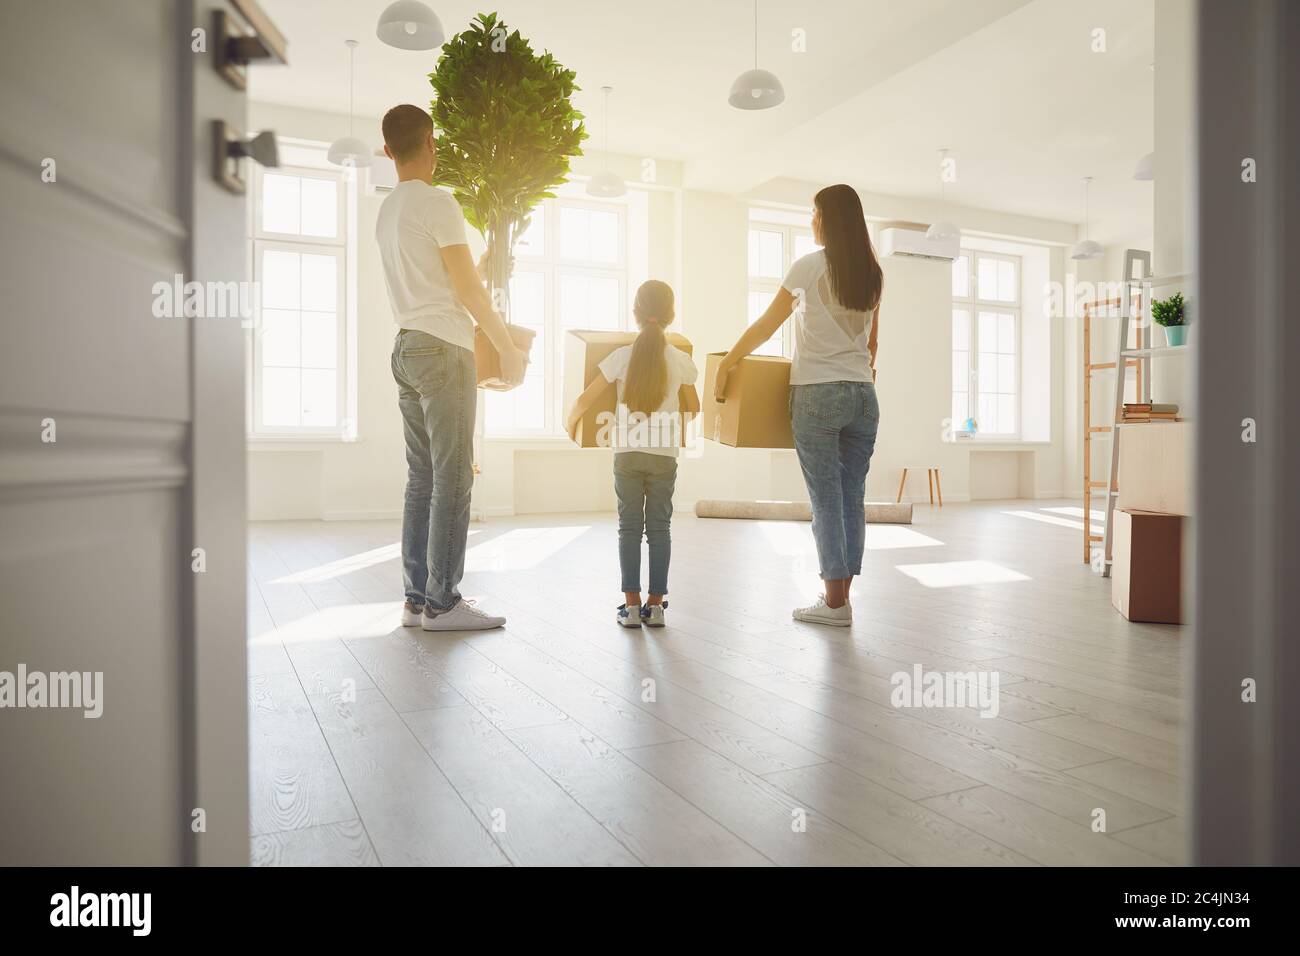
301	341
570	273
985	339
773	248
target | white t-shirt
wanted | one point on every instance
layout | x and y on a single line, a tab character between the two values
830	341
415	221
661	433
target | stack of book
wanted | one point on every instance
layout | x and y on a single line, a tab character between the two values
1149	412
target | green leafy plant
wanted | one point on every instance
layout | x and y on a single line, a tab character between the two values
1169	311
506	131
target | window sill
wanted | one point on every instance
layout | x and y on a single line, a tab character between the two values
296	442
995	444
546	441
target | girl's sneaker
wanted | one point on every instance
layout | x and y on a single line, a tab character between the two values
629	616
652	615
411	614
819	612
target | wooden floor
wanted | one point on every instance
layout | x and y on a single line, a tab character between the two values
732	736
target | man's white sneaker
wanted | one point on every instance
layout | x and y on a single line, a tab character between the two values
412	614
463	617
819	612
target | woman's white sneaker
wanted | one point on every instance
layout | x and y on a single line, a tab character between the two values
819	612
412	614
463	617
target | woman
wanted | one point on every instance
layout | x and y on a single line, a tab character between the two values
834	295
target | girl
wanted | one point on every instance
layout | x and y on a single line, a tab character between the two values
645	439
834	294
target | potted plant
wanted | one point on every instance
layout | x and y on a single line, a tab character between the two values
1170	315
506	131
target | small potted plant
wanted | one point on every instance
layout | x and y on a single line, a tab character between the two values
1171	316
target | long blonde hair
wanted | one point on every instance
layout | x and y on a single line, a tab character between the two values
647	371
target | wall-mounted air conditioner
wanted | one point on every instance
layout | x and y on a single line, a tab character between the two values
381	175
913	243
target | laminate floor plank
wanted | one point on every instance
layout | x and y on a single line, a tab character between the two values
762	814
653	821
565	739
531	818
413	814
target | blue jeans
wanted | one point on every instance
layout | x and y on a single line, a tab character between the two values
834	427
435	391
644	486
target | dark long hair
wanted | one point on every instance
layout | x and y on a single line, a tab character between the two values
856	276
646	386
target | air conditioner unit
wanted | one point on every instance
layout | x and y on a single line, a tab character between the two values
913	243
381	176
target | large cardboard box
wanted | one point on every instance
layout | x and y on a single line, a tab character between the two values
1147	566
583	352
756	409
1155	466
487	362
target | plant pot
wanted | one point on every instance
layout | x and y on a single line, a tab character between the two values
1176	334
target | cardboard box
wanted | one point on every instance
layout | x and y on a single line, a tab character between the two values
756	410
487	362
1147	566
1155	466
583	352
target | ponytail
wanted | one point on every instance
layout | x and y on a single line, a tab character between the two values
646	386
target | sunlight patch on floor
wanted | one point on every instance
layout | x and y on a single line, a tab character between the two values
521	549
335	569
328	623
795	537
951	574
1077	513
1050	519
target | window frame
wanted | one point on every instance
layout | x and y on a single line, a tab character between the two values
553	267
343	247
766	285
973	303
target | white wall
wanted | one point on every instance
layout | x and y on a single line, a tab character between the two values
697	242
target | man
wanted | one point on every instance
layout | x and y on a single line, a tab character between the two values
434	290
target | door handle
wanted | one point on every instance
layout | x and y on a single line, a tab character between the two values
235	45
228	148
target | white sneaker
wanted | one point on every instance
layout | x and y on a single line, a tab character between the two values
411	614
463	617
629	615
819	612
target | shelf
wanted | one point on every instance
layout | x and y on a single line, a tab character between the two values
1161	280
1157	350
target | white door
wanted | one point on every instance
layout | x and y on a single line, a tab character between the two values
121	441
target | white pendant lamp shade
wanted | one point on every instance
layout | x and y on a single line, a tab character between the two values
756	89
410	25
1146	167
1086	248
347	150
606	184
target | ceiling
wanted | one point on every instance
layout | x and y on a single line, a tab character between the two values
1012	87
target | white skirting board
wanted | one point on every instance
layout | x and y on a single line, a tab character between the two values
878	512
